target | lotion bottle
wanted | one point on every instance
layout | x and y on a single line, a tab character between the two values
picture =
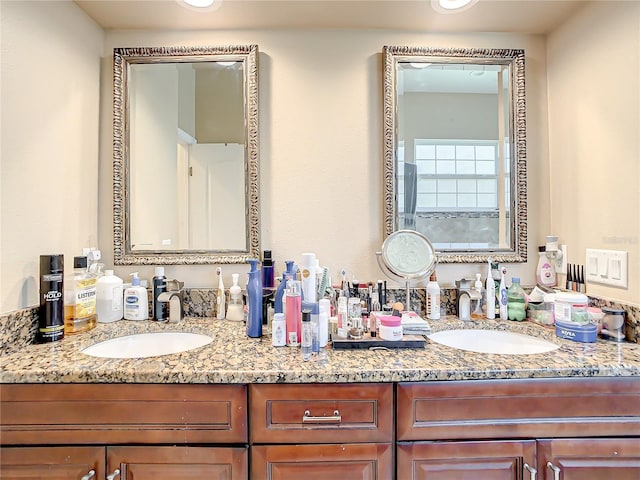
136	301
433	298
254	296
220	296
236	305
288	274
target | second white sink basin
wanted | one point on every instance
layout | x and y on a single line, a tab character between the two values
492	341
144	345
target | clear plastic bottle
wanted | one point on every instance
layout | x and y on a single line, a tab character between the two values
516	299
306	342
109	296
80	298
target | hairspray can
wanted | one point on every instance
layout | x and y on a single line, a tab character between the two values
51	315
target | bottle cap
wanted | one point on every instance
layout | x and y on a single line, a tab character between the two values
135	281
267	260
306	315
515	279
79	262
432	277
159	272
51	263
542	248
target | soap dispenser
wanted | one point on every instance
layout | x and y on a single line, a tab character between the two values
254	300
235	310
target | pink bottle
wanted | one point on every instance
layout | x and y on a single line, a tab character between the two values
293	312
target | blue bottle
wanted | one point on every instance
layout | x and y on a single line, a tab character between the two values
254	301
277	307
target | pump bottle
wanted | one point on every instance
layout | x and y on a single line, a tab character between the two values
236	305
136	301
286	275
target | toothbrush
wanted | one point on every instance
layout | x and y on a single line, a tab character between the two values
220	311
503	294
490	291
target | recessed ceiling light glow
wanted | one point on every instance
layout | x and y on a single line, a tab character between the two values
199	3
452	6
419	65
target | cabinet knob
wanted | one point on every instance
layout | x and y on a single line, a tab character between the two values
90	474
335	418
531	470
112	476
556	471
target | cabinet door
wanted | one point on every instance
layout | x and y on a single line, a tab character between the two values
495	460
369	461
52	463
178	463
589	459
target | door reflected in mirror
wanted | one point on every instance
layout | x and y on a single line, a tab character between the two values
188	145
455	150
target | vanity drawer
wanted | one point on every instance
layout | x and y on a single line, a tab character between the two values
321	413
122	413
518	408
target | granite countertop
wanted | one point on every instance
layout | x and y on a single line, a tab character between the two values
232	357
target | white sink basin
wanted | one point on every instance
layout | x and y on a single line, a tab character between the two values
148	345
492	341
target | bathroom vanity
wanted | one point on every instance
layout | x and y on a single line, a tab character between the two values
239	408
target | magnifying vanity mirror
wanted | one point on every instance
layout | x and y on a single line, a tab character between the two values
455	150
185	176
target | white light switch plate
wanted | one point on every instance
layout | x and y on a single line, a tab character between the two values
608	267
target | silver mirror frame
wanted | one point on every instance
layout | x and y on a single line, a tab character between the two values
515	57
123	254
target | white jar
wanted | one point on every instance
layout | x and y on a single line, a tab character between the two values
390	328
571	307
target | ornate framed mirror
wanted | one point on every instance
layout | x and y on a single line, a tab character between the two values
185	155
455	150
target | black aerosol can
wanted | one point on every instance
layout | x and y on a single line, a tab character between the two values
51	314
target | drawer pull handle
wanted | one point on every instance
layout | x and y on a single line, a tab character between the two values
116	473
90	474
531	470
335	418
556	471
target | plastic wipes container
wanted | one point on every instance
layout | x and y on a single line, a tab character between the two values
390	327
586	333
571	308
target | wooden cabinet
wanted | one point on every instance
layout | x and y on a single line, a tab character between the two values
178	463
68	418
493	460
321	431
357	461
589	459
56	463
595	423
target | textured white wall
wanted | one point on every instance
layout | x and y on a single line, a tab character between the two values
321	144
50	87
594	136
